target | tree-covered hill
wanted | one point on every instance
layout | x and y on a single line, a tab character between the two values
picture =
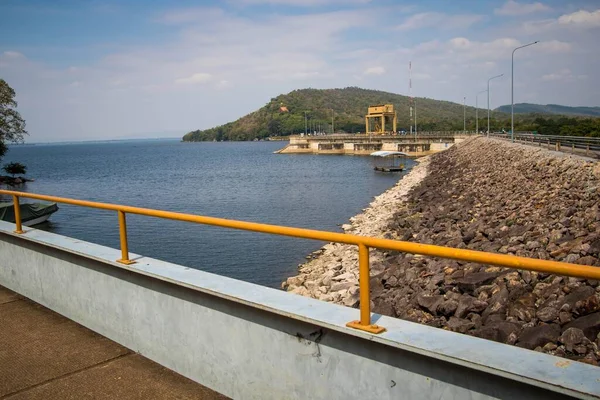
557	109
284	114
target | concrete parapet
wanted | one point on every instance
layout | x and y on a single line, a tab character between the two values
252	342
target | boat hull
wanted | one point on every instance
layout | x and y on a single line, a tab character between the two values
37	221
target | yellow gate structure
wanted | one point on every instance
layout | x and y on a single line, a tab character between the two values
379	113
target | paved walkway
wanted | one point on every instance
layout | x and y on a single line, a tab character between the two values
44	355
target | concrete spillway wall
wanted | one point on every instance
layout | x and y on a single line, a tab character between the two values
252	342
365	145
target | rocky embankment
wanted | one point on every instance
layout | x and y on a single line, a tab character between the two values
489	195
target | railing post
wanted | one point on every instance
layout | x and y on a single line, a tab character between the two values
19	227
123	235
364	278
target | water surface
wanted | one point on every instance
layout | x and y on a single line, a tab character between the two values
242	180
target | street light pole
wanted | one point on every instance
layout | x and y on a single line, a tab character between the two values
305	124
477	111
332	127
464	114
512	91
488	100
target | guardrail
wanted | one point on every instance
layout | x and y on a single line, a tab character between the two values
408	135
363	243
585	144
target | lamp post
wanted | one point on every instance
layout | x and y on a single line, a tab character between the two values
477	111
332	127
464	114
488	100
305	124
512	91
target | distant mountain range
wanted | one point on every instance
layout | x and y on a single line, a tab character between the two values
525	108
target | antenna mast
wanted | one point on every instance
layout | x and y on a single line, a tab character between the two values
411	101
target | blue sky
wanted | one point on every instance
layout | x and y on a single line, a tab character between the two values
98	69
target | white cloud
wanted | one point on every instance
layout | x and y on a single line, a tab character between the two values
199	77
440	21
578	20
563	75
187	15
300	3
585	19
375	71
554	46
12	54
514	8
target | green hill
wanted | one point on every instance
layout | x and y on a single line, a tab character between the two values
522	108
349	106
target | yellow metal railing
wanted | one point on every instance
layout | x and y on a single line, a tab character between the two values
363	243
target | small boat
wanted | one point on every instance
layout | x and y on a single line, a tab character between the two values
388	161
31	213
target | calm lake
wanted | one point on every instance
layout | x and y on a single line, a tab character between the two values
242	180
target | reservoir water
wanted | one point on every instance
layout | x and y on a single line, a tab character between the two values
241	180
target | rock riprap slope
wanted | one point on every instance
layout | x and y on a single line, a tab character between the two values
490	195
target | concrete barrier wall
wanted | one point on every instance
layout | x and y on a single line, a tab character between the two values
251	342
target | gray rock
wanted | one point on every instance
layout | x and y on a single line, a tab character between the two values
498	331
571	337
336	287
589	324
430	302
564	317
470	282
448	308
538	336
547	314
467	304
459	325
571	258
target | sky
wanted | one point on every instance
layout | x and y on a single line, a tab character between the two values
89	70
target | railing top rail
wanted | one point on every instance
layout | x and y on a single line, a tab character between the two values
510	261
582	139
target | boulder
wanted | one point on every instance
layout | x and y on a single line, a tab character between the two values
539	335
498	331
472	281
582	300
429	302
467	304
336	287
448	308
547	314
459	325
589	324
571	337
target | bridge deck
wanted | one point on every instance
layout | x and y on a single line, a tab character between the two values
44	355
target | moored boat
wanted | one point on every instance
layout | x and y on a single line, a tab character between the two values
31	213
388	161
